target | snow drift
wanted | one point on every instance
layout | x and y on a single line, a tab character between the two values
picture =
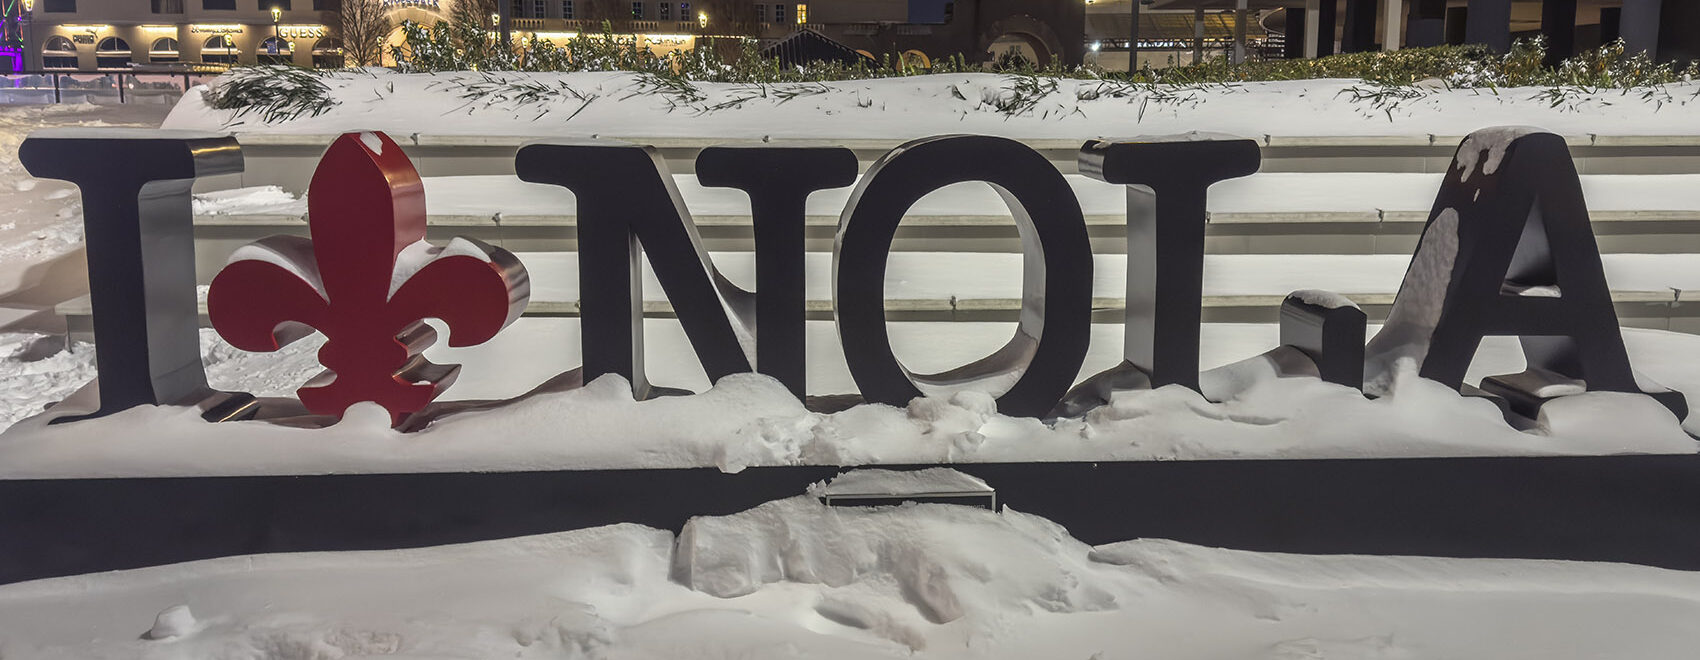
794	578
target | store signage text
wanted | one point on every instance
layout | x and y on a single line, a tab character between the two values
301	31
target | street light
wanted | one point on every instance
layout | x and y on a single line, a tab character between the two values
29	7
1133	39
277	37
702	19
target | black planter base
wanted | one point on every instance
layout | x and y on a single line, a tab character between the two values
1635	509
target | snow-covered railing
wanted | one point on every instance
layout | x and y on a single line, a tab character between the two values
285	160
1269	213
1650	289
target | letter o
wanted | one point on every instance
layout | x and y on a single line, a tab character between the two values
1050	343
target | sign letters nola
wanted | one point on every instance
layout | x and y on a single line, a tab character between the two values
1507	250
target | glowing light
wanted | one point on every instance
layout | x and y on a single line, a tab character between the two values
277	14
702	19
652	38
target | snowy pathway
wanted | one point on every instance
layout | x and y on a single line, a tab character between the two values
794	579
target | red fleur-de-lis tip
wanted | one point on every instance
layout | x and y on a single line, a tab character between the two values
367	280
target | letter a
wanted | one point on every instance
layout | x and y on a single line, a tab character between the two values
1508	250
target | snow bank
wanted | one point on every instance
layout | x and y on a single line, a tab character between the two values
895	108
793	579
750	420
256	200
892	573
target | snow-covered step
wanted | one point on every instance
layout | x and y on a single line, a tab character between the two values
1343	213
288	160
959	285
535	349
993	281
1268	197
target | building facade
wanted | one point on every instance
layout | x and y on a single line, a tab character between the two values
1669	29
112	35
921	30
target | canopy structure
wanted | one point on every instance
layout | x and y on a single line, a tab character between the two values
805	45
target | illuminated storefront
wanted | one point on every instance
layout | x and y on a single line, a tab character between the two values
114	35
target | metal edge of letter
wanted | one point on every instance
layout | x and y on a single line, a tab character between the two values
139	234
1167	180
779	180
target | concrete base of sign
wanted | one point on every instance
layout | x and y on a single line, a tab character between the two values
1635	509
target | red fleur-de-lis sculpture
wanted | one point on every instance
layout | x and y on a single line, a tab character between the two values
367	280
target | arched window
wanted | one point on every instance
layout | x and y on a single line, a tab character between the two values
276	51
164	49
58	53
112	53
327	53
219	49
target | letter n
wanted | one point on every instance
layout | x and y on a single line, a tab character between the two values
626	198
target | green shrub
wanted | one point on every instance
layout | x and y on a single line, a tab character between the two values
467	43
273	92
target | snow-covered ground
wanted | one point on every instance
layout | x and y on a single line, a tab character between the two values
795	579
619	104
750	420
